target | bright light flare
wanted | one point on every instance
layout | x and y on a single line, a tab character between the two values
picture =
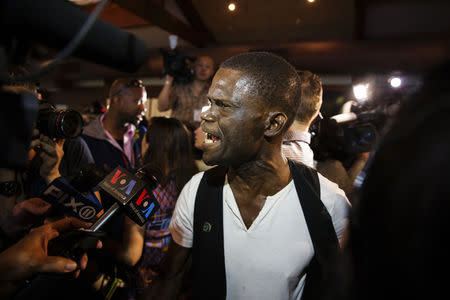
395	82
231	6
311	1
361	91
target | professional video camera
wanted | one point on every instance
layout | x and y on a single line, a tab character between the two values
346	135
176	64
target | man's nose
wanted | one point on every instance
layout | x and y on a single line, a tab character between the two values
207	115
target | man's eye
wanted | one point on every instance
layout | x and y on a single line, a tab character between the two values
220	103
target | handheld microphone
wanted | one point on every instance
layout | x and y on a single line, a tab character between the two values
133	193
62	195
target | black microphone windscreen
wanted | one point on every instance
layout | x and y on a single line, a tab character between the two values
54	23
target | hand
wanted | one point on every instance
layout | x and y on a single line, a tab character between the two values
29	256
168	80
24	214
364	156
51	153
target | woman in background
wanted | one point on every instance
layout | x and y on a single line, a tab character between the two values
167	150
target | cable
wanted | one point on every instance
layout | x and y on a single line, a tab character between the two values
67	51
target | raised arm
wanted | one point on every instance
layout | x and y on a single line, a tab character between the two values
164	95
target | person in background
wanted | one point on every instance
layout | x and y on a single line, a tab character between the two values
186	101
297	139
167	149
111	140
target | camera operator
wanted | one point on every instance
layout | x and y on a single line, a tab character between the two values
20	209
186	101
297	140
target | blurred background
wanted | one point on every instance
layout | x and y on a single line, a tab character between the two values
382	46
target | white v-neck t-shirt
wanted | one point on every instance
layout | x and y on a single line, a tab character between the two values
267	260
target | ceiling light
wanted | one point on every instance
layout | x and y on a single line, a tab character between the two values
311	1
231	6
395	82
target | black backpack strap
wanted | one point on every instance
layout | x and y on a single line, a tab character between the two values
320	227
208	250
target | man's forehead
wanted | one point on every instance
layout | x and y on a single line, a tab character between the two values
231	80
204	59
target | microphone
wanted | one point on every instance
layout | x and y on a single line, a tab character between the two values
62	195
133	193
55	23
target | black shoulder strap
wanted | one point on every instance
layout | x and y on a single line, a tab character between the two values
208	250
320	228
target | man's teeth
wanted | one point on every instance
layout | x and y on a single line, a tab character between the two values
210	139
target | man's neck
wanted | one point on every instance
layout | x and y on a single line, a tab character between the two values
262	177
198	85
116	128
298	126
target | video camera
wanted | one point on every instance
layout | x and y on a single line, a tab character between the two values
177	64
346	135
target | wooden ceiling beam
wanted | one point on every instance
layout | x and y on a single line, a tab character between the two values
153	11
335	57
192	15
118	16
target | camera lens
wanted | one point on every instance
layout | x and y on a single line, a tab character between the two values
69	123
59	124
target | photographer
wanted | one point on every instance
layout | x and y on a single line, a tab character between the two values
20	209
186	101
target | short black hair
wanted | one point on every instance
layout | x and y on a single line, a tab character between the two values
274	80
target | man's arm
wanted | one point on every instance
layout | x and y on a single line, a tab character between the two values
164	95
170	280
128	251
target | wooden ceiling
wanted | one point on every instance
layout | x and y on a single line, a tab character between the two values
327	36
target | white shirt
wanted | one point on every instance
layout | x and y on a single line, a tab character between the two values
267	260
296	147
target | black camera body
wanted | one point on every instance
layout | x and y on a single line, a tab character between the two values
344	136
176	64
59	124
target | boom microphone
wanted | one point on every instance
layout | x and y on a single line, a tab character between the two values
55	22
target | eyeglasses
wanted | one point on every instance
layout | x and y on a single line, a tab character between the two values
132	83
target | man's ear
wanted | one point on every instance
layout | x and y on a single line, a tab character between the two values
115	99
275	123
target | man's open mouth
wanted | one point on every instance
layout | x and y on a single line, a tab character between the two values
211	139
